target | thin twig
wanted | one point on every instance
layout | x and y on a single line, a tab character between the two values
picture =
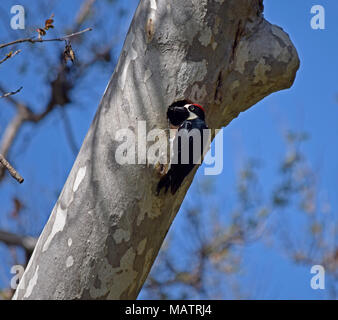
34	40
84	12
16	175
7	94
10	55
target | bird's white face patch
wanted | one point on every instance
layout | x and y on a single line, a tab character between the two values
192	115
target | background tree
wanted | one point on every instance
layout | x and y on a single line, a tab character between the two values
51	103
26	214
214	258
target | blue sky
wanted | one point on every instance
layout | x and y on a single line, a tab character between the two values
311	105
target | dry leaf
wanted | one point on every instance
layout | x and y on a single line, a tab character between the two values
68	52
41	32
49	22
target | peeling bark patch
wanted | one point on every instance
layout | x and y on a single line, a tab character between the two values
22	282
260	71
153	4
101	284
150	30
190	72
279	33
70	241
146	266
79	177
234	85
121	235
69	261
242	57
141	246
147	75
59	224
124	276
140	217
280	51
205	37
131	54
197	93
32	283
153	213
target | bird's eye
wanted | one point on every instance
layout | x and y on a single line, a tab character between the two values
192	108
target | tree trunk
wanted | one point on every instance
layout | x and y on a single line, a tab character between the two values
108	225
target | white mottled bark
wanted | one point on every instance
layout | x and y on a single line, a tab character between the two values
108	225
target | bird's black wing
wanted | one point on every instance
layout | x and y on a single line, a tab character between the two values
178	170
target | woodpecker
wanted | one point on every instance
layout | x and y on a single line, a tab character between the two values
185	116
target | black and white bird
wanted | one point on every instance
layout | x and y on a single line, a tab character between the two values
185	116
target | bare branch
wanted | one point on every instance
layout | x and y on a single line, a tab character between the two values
84	11
34	40
10	132
7	94
12	239
10	55
24	114
16	175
